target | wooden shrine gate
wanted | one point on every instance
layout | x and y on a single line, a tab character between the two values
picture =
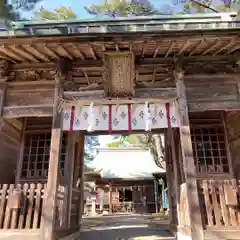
178	75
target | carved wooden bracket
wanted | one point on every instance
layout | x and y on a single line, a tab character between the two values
64	75
119	74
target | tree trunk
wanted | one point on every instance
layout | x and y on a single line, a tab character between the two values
159	149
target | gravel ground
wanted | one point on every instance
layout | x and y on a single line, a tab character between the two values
123	227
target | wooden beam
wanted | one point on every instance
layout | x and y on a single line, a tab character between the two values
90	64
195	230
186	59
144	93
41	110
219	76
80	64
51	191
201	106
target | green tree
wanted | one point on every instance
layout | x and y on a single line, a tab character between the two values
11	9
90	144
122	8
60	13
126	140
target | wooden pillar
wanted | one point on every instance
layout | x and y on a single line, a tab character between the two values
155	184
21	152
175	177
169	176
192	210
69	170
110	197
81	173
50	194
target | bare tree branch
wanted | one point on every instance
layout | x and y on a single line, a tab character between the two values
204	5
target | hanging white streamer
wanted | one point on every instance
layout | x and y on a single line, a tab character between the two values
147	116
91	118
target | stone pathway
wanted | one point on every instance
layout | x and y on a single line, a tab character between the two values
125	227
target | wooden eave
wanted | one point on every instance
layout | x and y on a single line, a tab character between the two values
154	55
155	37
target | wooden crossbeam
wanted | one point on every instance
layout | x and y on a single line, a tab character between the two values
139	62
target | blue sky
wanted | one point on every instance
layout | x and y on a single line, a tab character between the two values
78	5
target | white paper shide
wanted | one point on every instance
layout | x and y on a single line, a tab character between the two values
142	116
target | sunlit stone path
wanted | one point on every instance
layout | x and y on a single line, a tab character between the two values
123	227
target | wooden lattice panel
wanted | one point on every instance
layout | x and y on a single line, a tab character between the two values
209	149
36	156
119	74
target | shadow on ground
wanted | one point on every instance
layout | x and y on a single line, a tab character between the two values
125	227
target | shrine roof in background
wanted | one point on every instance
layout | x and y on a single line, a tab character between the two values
126	163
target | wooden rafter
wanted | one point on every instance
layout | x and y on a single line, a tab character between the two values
92	51
184	46
50	52
66	52
215	44
78	51
5	57
157	50
196	47
230	44
37	53
8	52
143	49
170	49
232	49
23	52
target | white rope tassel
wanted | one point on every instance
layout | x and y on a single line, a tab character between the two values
147	116
91	118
